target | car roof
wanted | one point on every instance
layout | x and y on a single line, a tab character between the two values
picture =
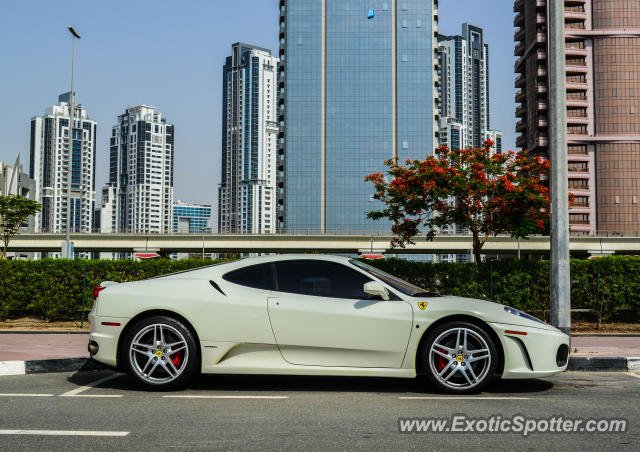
288	257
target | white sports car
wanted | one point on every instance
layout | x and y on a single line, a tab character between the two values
313	315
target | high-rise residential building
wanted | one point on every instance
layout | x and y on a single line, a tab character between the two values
464	89
191	218
603	106
247	194
53	146
357	87
14	181
141	173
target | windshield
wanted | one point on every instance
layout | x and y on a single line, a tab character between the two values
397	283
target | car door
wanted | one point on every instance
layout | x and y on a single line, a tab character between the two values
321	316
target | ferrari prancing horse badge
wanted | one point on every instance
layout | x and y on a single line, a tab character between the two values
422	305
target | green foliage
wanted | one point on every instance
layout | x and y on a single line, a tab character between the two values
14	211
52	288
525	284
487	193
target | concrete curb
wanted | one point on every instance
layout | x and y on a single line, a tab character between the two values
603	364
39	366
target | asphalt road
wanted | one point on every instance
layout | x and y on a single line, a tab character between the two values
294	413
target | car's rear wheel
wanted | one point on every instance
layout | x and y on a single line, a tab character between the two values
459	357
160	352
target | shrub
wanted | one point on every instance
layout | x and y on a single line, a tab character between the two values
52	288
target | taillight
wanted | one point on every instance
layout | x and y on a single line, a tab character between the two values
96	291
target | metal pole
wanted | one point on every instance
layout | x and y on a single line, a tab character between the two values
598	295
67	243
84	295
203	229
560	285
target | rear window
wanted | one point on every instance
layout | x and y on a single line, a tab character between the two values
257	276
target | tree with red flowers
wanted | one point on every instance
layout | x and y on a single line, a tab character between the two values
487	194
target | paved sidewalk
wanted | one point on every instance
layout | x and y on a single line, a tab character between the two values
625	346
29	346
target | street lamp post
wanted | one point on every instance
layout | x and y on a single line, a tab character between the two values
67	246
203	231
560	282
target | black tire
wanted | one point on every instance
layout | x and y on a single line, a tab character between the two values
164	356
467	367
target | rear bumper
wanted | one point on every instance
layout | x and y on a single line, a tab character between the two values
533	354
105	333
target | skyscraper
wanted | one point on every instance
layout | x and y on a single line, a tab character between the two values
464	89
191	218
52	145
247	195
603	106
140	173
356	86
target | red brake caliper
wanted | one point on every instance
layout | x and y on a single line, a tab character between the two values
440	361
177	359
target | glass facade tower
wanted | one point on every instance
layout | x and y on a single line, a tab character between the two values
356	88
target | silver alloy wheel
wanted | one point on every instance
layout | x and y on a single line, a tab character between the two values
460	358
158	353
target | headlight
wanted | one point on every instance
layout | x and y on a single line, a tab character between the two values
524	315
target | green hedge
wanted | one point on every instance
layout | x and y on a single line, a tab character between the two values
524	284
52	288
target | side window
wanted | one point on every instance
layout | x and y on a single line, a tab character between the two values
256	276
321	279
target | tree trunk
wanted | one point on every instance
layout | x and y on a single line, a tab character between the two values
477	247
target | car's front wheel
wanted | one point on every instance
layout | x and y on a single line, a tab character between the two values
160	352
459	357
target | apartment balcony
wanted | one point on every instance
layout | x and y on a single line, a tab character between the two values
577	86
520	80
543	122
542	88
577	119
542	105
519	50
577	102
518	35
541	37
576	69
575	51
520	96
518	20
518	6
521	141
542	71
520	126
543	140
521	111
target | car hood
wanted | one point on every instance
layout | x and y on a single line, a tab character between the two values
483	309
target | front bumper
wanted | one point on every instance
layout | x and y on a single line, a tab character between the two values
533	354
105	333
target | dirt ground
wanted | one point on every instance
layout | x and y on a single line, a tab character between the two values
31	324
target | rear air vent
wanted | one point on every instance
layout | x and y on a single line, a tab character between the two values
217	287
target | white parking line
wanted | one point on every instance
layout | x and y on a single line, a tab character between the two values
62	433
93	384
463	398
26	395
223	397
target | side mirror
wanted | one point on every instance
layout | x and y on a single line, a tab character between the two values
376	288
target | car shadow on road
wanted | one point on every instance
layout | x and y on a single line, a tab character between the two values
275	383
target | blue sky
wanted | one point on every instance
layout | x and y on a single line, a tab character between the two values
169	54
